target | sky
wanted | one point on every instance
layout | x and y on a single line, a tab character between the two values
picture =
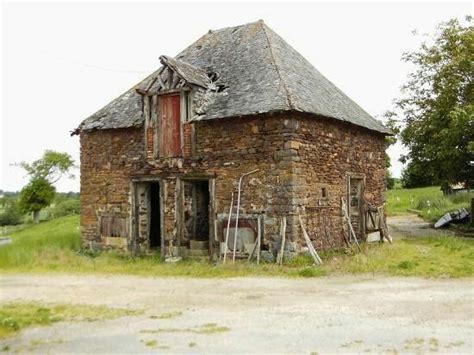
61	62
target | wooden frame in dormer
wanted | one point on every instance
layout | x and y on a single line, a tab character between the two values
152	125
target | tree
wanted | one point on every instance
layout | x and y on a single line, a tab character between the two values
38	194
390	122
417	174
52	166
44	172
437	107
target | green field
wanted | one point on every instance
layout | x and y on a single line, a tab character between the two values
428	200
54	246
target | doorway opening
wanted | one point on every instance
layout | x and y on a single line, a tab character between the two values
155	215
196	210
355	198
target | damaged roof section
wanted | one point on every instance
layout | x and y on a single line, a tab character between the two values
185	72
261	72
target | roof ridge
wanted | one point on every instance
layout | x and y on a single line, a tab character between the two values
282	80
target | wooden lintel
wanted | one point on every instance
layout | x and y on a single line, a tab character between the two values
182	176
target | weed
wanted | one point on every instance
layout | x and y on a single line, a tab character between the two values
17	316
151	343
407	265
208	328
310	271
168	315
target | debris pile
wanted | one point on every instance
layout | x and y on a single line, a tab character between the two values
458	216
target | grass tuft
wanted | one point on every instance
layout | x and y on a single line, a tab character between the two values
16	316
167	315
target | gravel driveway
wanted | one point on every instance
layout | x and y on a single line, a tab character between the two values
252	315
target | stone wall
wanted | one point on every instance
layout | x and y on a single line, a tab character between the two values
296	155
108	158
329	152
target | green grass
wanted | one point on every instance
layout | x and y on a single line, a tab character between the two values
51	244
52	247
16	316
428	200
435	257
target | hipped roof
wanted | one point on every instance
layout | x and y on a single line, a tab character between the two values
262	73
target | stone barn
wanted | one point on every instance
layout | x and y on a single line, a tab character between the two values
161	164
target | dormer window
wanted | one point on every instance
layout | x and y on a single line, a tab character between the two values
177	93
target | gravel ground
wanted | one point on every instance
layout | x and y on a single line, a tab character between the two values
411	225
251	315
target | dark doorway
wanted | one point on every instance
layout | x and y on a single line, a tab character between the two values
155	216
196	217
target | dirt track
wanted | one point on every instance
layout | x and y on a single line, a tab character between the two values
410	225
264	315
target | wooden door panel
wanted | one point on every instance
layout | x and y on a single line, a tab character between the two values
170	125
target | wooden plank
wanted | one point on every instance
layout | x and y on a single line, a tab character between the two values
228	227
170	125
259	238
160	82
348	220
179	212
310	245
282	244
163	191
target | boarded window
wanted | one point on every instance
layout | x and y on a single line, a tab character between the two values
111	226
170	125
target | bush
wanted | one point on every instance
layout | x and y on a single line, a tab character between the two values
66	207
11	216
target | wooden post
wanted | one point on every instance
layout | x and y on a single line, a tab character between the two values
310	245
228	227
348	219
259	238
279	259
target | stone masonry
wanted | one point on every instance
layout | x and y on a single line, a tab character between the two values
300	157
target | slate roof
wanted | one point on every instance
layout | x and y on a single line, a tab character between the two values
262	74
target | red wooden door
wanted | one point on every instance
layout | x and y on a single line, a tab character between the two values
170	125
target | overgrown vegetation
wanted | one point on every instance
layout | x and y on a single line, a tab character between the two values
10	214
53	247
429	201
16	316
63	204
436	108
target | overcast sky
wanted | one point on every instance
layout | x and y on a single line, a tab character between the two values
63	62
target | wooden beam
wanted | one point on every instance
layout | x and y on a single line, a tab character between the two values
310	245
279	258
